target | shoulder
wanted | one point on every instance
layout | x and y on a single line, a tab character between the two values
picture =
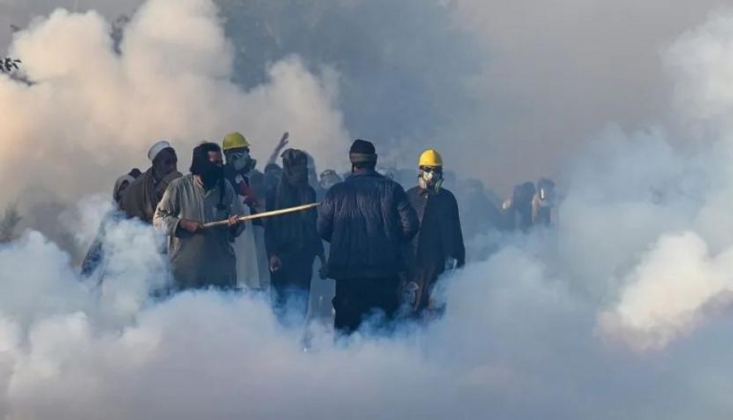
447	195
180	182
413	191
137	183
229	188
393	185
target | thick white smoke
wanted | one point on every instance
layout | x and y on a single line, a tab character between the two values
92	114
542	329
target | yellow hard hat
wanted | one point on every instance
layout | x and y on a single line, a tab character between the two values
430	157
234	141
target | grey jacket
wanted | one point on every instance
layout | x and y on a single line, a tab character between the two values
207	258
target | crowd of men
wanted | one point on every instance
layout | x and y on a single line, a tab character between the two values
385	248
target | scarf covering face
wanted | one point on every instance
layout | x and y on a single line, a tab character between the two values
211	174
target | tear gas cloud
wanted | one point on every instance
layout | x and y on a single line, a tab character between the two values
622	311
102	111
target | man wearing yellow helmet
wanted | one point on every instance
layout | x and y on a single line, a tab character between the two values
239	164
240	171
438	245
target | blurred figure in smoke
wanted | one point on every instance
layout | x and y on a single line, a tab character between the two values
273	174
142	196
386	172
544	203
292	240
312	174
518	210
95	256
479	213
367	219
201	257
438	246
240	171
328	179
322	292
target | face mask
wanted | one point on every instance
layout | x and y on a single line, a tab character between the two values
296	174
240	160
430	180
211	174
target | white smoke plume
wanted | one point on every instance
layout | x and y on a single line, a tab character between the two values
640	259
92	114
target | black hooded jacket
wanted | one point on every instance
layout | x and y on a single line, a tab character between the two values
440	236
368	220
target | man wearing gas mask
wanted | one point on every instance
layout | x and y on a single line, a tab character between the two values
239	166
438	246
240	171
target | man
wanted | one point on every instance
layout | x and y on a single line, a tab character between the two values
201	257
518	210
142	196
240	171
367	219
292	240
439	244
544	203
239	166
328	179
96	253
273	174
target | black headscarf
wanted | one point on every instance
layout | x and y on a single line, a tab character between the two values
293	230
210	174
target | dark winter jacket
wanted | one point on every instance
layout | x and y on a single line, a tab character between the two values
368	220
440	237
295	232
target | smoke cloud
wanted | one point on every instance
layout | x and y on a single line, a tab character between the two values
102	111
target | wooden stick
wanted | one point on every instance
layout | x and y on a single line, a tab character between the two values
264	215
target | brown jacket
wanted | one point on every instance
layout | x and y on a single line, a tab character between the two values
142	196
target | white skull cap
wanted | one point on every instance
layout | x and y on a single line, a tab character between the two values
157	148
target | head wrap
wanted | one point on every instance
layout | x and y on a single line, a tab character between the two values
157	148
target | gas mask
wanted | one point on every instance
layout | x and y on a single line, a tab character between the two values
240	161
431	178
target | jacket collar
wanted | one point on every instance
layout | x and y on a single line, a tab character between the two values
364	172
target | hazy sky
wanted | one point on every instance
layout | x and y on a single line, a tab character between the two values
507	90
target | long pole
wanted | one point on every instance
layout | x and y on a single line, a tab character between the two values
264	215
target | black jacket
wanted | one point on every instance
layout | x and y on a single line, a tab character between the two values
368	220
440	235
295	232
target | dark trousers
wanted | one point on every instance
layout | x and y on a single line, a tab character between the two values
291	285
359	299
425	277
